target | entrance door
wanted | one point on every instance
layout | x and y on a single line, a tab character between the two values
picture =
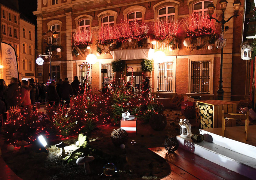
134	76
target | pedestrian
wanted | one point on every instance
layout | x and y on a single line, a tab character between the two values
52	95
32	91
58	87
66	91
25	100
11	94
75	86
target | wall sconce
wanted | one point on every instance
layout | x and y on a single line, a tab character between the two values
246	51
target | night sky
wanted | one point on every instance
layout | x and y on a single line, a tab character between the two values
27	7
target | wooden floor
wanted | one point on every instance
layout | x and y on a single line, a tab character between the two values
185	165
237	133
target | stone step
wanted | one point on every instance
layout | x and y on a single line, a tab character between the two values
224	157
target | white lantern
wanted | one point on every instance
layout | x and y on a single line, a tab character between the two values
246	51
185	128
39	61
186	42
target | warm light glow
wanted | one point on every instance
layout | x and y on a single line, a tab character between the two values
91	59
88	47
39	61
159	57
151	54
58	50
42	140
153	42
1	66
223	4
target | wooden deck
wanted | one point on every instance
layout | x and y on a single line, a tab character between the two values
185	165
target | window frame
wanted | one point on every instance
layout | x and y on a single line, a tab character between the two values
203	10
57	41
54	2
9	16
108	23
201	58
9	32
29	35
15	35
24	48
84	26
166	15
4	26
24	33
135	19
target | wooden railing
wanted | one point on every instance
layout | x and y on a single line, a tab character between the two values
235	116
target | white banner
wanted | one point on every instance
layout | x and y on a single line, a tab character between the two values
9	60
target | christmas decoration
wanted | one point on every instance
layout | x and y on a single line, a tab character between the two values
197	137
171	144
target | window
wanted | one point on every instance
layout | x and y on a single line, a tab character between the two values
15	19
4	16
29	50
54	2
201	9
4	28
24	48
10	17
55	28
84	24
166	14
15	34
24	64
24	33
165	78
29	35
200	77
135	16
16	49
56	73
30	65
108	21
10	31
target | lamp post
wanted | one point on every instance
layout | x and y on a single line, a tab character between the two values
51	37
223	6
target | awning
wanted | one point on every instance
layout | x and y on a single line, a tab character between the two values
128	54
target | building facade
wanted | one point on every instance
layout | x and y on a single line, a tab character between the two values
27	50
177	35
17	32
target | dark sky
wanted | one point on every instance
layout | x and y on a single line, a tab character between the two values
27	7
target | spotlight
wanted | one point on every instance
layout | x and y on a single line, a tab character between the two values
42	140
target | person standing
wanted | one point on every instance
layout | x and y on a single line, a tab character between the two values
52	95
32	91
66	91
25	94
11	95
75	86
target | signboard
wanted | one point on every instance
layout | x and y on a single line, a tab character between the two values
9	61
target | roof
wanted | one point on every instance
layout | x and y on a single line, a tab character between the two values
12	4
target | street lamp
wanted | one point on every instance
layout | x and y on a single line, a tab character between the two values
223	6
51	36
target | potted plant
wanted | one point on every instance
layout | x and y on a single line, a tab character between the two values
147	67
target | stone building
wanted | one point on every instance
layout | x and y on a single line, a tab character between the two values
186	44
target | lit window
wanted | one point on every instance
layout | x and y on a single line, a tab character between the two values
135	16
166	14
200	77
165	78
55	29
84	24
108	21
54	2
24	33
201	9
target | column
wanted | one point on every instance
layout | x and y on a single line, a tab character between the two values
69	46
